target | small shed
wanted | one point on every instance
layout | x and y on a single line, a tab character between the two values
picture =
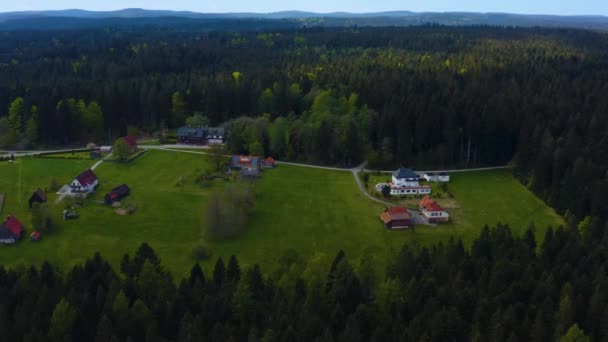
38	196
36	236
117	194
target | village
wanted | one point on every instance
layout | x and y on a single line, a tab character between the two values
404	183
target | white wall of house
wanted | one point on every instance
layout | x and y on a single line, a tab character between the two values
443	178
435	215
405	182
405	191
76	186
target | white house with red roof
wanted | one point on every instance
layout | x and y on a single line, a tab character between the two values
85	183
431	211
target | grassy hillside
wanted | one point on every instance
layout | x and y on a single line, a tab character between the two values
315	212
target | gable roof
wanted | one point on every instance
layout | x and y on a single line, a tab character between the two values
429	204
191	131
13	225
405	173
39	194
394	213
87	178
130	140
216	131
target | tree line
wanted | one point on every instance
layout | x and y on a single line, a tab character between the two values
426	96
504	288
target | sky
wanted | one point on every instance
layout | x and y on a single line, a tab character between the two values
561	7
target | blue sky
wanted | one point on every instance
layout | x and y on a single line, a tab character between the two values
566	7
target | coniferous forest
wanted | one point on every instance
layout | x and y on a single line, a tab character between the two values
427	96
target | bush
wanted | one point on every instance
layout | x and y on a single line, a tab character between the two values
201	252
54	185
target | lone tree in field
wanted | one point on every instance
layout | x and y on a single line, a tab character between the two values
121	149
217	155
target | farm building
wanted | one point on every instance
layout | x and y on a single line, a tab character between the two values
405	182
395	218
405	177
201	135
117	194
10	231
37	197
268	163
436	177
36	236
86	182
245	162
216	135
431	211
191	135
131	142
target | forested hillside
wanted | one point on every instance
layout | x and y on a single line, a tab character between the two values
422	96
500	290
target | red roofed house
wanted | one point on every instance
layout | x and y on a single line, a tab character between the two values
395	218
431	211
10	230
85	182
131	142
268	163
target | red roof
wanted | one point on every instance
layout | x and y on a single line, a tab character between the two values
394	213
35	234
87	178
130	140
13	225
271	160
429	204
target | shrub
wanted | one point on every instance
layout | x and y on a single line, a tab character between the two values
201	252
54	185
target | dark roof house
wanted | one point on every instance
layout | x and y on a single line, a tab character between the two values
405	173
37	197
85	182
191	135
117	194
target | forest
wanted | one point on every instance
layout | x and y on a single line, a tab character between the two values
427	96
505	288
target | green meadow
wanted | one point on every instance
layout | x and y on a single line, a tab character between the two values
314	212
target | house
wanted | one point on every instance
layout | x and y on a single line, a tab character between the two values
216	135
268	163
36	236
131	142
117	194
405	177
431	211
245	162
10	231
105	149
406	182
37	197
442	177
86	182
191	135
395	218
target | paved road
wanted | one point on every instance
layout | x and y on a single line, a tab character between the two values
448	171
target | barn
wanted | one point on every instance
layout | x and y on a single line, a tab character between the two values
395	218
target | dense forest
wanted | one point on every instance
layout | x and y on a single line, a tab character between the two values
505	288
424	96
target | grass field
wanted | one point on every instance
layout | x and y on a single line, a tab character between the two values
308	210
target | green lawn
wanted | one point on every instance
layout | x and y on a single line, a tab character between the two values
308	210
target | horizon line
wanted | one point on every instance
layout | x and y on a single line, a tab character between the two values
302	11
